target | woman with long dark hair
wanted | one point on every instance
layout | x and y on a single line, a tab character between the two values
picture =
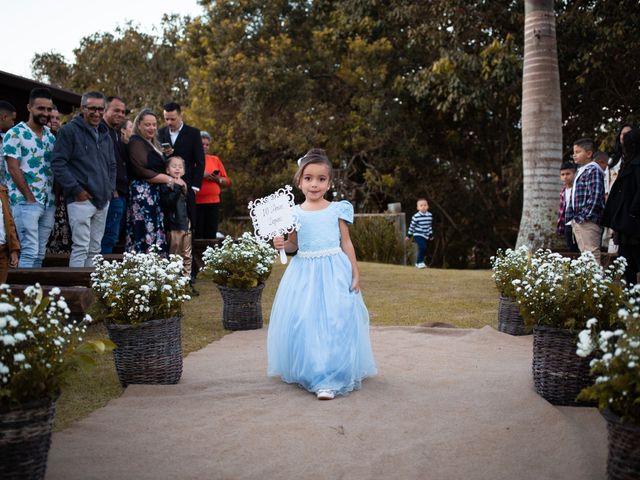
622	211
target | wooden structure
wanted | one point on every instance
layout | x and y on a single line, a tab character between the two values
15	90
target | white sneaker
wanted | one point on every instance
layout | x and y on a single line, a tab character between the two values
326	395
421	265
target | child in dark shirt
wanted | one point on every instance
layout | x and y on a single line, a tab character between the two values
173	200
421	229
567	174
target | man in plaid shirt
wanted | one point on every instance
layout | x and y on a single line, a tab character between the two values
584	211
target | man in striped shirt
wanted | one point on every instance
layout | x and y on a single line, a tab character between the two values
421	229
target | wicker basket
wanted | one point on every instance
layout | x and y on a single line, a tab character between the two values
558	373
241	307
150	352
623	462
509	319
25	438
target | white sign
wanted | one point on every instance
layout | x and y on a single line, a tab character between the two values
273	216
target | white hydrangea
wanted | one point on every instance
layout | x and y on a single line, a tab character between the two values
139	286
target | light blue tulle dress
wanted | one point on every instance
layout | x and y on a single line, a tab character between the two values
319	330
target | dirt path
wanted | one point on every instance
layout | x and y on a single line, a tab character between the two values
446	404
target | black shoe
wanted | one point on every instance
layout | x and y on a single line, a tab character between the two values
193	291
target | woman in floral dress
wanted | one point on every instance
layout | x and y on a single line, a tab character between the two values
145	221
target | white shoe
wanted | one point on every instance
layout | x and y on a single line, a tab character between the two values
421	265
326	395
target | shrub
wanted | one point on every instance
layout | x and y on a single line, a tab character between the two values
142	287
39	345
377	239
507	266
243	263
558	292
617	369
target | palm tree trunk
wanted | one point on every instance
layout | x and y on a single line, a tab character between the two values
541	126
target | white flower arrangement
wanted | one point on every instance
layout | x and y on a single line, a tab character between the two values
559	292
507	266
39	345
617	366
242	263
142	287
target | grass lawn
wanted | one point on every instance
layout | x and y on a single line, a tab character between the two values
395	295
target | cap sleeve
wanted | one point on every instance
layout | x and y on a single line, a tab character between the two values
345	211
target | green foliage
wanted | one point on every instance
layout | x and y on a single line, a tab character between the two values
410	98
377	239
40	345
241	263
598	61
351	77
139	67
617	366
234	227
558	292
142	287
508	266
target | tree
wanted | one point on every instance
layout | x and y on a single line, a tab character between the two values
409	98
52	68
139	67
541	125
599	68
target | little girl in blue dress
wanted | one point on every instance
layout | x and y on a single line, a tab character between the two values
319	326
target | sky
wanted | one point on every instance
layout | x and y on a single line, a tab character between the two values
38	26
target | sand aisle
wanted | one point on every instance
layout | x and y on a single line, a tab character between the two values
447	404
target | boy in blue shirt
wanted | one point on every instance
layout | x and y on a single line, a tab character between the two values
421	229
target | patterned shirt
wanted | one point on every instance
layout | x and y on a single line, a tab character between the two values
587	197
34	155
421	225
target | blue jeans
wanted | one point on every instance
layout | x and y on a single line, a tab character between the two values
421	243
113	226
34	223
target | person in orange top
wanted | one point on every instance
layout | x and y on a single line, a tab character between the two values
208	198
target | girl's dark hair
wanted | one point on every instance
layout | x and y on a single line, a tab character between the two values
618	153
631	145
317	156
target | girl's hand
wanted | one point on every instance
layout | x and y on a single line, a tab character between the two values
278	242
355	284
181	183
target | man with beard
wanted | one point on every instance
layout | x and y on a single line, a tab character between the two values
113	119
84	165
27	148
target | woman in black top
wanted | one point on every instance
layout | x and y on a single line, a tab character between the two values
145	219
622	211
